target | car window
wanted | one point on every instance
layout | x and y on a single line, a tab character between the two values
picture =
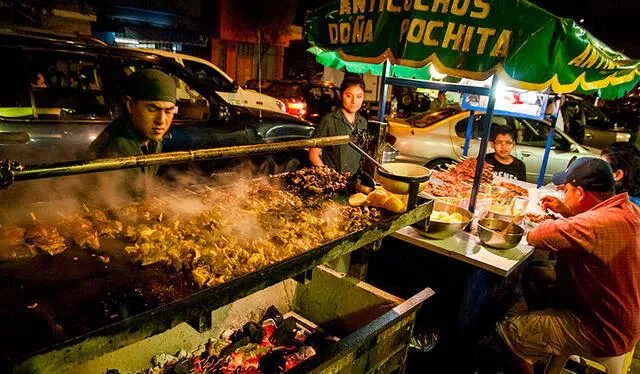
594	118
534	133
327	93
215	79
14	93
284	90
190	106
65	86
428	118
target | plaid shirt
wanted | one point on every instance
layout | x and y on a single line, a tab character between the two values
598	271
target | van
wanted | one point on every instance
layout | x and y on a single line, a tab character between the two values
58	95
222	83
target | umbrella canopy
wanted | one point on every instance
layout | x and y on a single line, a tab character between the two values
525	45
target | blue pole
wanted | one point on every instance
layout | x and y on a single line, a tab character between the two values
382	90
547	148
467	139
483	143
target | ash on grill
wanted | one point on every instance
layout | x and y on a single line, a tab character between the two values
273	345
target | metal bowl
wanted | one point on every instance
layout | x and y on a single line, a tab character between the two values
489	233
403	174
442	230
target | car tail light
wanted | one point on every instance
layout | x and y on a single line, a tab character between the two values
296	107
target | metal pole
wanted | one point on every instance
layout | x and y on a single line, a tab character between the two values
18	173
552	132
467	139
483	143
382	90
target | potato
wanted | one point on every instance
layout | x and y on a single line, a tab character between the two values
456	217
435	215
377	198
357	199
394	204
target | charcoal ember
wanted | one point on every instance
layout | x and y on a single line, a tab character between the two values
305	352
320	340
274	362
235	345
274	314
286	334
254	331
181	367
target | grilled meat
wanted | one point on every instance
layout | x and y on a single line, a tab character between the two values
80	231
103	225
316	180
12	244
514	189
44	237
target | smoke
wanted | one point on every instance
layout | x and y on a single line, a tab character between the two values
183	192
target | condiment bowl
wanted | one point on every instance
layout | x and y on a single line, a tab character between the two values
441	230
489	232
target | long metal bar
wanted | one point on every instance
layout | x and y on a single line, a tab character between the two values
382	90
477	180
419	83
547	148
116	163
467	138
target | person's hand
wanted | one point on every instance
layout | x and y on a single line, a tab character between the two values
554	204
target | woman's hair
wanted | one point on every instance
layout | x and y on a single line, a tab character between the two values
626	157
351	81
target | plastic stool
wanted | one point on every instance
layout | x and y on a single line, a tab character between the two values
611	365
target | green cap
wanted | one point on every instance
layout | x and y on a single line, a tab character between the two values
151	85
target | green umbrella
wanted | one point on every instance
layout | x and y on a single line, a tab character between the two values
525	45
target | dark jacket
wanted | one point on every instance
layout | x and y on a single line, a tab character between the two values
121	139
342	158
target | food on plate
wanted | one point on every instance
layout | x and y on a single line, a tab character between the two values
446	217
537	217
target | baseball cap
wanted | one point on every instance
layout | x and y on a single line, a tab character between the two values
590	173
151	85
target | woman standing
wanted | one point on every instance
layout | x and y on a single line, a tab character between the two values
343	121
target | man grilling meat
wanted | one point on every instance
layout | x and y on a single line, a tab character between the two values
150	103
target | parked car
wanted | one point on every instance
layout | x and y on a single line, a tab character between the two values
437	137
591	126
310	101
257	84
222	83
58	95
